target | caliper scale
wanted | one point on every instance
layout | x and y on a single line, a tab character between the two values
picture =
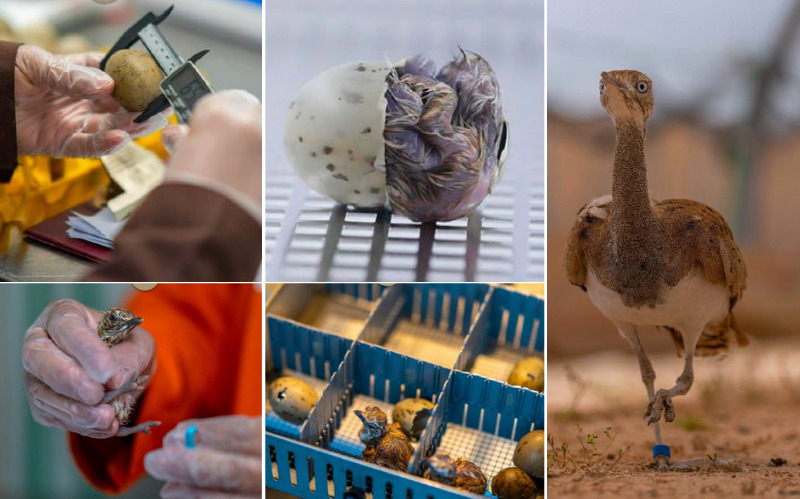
183	85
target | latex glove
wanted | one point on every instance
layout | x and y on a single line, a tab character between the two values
222	143
68	369
65	107
226	460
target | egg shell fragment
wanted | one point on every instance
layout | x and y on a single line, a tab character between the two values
528	373
333	133
292	399
529	454
405	413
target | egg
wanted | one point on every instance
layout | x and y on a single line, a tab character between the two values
513	483
292	399
137	78
528	373
529	454
412	414
427	144
333	134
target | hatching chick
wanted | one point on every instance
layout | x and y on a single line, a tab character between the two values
446	137
460	473
113	328
386	445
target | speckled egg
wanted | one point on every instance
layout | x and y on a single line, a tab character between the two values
528	373
513	483
292	399
412	414
333	133
529	454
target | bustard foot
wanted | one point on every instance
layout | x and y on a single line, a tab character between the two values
124	431
662	402
661	463
131	385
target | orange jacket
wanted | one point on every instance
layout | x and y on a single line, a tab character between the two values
208	363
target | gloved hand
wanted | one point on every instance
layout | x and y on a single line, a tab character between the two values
222	143
65	107
226	460
68	369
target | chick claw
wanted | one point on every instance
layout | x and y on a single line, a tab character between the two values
661	402
124	431
129	386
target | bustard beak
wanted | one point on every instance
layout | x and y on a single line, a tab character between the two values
607	79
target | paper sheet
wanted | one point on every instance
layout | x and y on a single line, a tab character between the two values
100	228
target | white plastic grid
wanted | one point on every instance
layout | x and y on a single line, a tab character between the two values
273	422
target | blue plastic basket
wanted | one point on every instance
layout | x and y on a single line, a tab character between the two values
477	418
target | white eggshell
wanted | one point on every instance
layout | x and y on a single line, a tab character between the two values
333	133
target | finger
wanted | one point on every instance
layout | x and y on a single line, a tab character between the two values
43	69
122	120
206	469
135	356
91	59
49	364
233	434
45	419
73	328
228	104
177	490
73	415
94	145
172	135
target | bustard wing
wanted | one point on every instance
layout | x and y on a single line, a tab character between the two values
588	232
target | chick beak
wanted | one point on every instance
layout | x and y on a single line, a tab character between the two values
361	416
135	322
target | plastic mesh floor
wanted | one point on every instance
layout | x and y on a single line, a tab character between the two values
311	238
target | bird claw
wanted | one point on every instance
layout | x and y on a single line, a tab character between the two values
661	463
661	402
124	431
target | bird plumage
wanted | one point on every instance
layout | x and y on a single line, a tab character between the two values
445	137
385	445
458	473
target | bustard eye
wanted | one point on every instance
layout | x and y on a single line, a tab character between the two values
602	87
642	87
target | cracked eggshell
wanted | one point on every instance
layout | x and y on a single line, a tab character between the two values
333	133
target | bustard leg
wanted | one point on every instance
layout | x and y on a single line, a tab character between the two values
663	399
631	334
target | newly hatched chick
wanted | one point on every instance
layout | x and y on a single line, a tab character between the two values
113	328
386	445
458	473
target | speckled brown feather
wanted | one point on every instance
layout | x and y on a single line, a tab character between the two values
640	247
393	451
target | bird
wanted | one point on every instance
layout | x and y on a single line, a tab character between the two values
458	473
673	264
114	327
445	135
386	445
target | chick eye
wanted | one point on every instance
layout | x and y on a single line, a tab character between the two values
113	318
642	87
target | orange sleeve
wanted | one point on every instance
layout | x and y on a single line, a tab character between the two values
204	335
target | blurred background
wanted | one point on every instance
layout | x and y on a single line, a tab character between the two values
35	460
309	238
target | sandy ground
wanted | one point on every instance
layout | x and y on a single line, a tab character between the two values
737	433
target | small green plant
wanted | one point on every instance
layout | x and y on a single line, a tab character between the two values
692	423
596	458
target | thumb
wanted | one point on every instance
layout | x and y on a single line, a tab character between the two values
45	70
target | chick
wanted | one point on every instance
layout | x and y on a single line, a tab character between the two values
460	473
113	328
386	445
446	137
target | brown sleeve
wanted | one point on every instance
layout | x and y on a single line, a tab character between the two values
8	117
183	232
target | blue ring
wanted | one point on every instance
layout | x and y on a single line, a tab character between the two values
189	437
661	450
